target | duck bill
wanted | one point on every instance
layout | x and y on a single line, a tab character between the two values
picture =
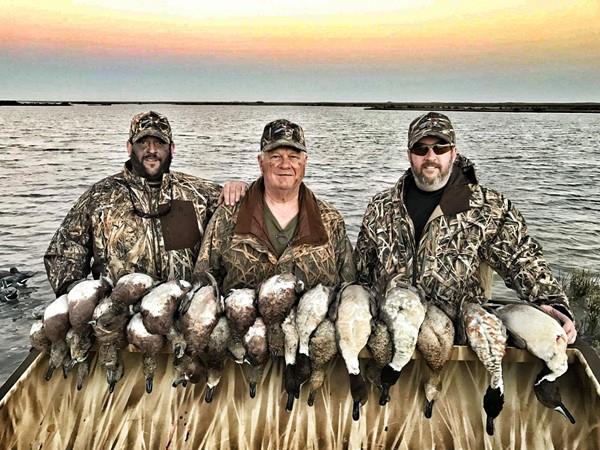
565	412
356	410
429	408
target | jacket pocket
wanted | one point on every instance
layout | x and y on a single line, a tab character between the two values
180	226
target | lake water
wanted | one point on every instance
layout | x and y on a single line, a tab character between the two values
547	164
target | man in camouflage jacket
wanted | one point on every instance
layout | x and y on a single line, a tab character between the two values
144	219
469	230
237	248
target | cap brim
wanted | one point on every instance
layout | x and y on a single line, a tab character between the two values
151	132
283	143
427	133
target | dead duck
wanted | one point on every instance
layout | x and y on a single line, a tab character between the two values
257	353
290	381
542	336
147	343
110	331
381	348
322	348
276	296
236	350
189	369
198	317
38	338
130	288
240	311
487	337
158	309
83	298
311	311
434	342
215	356
353	328
403	312
80	343
56	325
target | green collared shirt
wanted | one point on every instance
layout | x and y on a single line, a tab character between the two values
279	237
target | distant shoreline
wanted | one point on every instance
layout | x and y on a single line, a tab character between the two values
379	106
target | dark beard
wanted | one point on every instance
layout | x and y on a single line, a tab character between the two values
139	169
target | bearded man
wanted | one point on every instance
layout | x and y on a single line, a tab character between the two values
145	218
439	230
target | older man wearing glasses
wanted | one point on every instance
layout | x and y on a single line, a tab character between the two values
280	225
143	219
439	230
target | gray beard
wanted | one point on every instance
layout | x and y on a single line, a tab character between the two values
431	185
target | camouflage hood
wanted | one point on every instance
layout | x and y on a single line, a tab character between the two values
471	230
236	249
113	229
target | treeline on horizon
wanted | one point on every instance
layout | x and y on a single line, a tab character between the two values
590	107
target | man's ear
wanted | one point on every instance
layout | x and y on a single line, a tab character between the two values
172	146
259	158
129	148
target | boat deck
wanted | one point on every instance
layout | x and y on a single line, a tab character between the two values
36	414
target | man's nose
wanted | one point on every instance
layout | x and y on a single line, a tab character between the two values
285	162
430	153
152	146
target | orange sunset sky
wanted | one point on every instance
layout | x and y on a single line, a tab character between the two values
300	51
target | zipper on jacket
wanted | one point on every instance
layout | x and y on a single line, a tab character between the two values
411	228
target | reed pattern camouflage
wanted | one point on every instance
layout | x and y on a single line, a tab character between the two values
237	251
471	227
103	234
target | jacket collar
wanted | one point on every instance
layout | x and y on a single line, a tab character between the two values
251	218
457	194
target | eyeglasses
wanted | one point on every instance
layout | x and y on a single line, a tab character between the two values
145	215
438	149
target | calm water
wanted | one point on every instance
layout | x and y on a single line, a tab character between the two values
547	164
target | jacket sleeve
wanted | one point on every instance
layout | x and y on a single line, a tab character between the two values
212	202
518	259
68	256
343	254
365	253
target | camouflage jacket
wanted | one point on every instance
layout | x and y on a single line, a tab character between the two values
237	251
102	232
471	230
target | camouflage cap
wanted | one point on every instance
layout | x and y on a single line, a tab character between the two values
150	123
282	133
431	124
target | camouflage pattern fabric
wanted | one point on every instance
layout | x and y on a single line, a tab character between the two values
454	246
282	133
102	234
150	123
431	124
245	260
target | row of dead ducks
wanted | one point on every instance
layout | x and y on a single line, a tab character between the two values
308	328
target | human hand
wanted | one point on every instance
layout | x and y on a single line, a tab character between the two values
232	192
567	324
